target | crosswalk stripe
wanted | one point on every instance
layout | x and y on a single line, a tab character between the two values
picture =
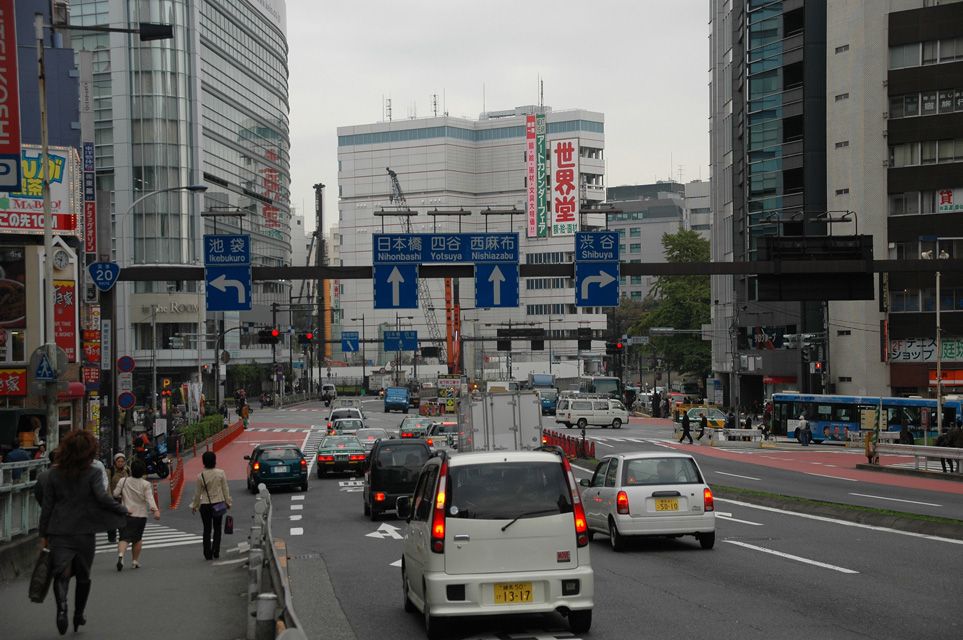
157	537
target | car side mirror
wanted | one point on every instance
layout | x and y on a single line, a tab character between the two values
247	457
585	482
403	507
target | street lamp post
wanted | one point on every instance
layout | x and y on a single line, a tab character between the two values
938	255
364	363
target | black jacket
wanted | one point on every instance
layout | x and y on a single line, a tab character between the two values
78	505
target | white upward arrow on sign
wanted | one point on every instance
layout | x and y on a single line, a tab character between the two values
496	278
395	279
221	283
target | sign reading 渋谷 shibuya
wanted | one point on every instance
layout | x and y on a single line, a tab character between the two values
21	211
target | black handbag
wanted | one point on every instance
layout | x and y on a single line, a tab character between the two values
41	577
228	524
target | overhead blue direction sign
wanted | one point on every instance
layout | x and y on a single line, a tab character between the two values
228	288
396	286
225	250
496	285
349	341
597	246
421	248
400	340
597	284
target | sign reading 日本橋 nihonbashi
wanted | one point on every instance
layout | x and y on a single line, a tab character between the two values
424	248
565	187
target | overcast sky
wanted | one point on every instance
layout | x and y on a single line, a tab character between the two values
643	63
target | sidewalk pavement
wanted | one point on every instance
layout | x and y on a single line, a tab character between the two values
175	591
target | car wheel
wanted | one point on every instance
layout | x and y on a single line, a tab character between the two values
590	534
580	622
615	538
320	474
374	514
304	486
434	626
616	424
568	425
409	605
582	423
707	540
367	509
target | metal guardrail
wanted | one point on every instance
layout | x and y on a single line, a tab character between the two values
270	607
19	510
921	453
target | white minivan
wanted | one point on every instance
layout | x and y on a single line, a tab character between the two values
580	412
500	533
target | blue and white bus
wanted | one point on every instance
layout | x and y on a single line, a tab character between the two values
834	417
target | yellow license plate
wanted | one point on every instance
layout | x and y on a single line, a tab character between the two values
666	504
512	592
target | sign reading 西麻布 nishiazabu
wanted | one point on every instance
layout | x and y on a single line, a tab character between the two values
914	350
420	248
22	211
565	187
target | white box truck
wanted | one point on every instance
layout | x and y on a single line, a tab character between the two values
500	421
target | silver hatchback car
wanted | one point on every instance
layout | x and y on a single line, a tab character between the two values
649	494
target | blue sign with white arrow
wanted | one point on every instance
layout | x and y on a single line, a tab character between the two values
400	340
396	286
596	284
496	285
104	274
228	288
349	341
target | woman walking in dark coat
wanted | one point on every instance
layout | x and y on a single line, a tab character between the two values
75	507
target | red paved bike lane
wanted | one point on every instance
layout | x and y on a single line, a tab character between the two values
231	457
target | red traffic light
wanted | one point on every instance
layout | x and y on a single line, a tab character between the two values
619	346
275	333
309	335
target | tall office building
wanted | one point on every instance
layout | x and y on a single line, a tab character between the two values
209	107
842	119
449	163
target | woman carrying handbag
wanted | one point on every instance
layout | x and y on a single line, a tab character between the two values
213	498
137	495
75	507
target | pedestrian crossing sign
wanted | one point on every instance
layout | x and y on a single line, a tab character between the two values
45	372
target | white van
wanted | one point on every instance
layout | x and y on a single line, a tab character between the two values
581	411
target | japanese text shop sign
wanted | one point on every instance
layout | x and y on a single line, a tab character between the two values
22	211
916	350
949	200
65	317
564	195
13	382
531	173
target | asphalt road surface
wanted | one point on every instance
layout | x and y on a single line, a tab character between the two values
772	574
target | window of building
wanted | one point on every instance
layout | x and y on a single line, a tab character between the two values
928	152
842	48
842	96
844	332
842	144
904	155
635	232
947	150
947	104
951	49
635	248
928	106
931	52
845	379
636	279
911	105
841	192
621	249
906	300
905	55
896	107
636	295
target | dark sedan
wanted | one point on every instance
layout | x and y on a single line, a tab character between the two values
340	454
276	465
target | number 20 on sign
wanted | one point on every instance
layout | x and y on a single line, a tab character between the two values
104	274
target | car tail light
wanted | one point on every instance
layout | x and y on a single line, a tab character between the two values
304	463
622	503
581	525
707	501
356	457
431	442
257	466
379	496
325	458
438	517
544	440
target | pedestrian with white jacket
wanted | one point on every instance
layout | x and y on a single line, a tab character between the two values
137	496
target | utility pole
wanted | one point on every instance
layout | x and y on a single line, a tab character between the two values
320	261
274	349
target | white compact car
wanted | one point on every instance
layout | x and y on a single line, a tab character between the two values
649	494
581	412
495	534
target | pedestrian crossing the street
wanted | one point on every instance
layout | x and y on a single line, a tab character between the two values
156	536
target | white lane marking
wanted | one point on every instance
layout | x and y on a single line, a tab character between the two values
386	531
311	457
297	507
221	563
396	563
277	430
731	519
297	531
823	475
866	495
604	444
296	518
844	523
588	471
735	475
789	556
300	497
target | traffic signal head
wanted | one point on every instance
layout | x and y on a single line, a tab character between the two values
275	333
309	335
619	346
268	336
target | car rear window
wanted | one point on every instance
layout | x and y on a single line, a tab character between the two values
371	434
344	413
649	471
402	456
507	490
335	442
281	454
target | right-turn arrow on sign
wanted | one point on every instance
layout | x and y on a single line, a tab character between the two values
597	269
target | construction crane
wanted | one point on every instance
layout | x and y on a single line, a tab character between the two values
424	295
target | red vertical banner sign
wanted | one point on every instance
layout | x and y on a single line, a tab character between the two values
531	173
90	200
65	317
10	176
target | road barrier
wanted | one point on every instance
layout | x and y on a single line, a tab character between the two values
922	454
572	446
176	480
270	609
744	438
226	436
19	510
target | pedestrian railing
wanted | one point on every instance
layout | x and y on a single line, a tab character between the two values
921	454
735	437
270	607
19	510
